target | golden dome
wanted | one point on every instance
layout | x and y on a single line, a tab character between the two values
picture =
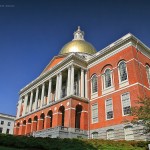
78	44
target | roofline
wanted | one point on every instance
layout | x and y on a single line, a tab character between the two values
7	115
116	43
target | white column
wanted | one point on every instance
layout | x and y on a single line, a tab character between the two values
36	98
56	91
31	99
82	82
19	107
60	85
42	95
72	80
86	92
25	105
79	83
68	81
49	90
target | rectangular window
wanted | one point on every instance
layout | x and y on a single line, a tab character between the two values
109	109
94	113
7	131
9	123
94	135
1	130
110	134
2	122
126	103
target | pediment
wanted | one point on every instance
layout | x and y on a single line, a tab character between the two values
53	62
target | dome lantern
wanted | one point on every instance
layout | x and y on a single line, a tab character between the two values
78	44
78	35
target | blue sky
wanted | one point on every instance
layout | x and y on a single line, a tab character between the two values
32	32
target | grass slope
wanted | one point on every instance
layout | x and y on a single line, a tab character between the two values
10	142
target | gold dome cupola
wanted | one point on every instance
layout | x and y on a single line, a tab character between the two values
78	44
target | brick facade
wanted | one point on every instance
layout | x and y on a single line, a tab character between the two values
74	112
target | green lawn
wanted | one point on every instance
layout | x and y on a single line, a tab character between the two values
10	142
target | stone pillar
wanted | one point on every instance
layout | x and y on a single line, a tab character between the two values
25	105
49	90
55	116
83	120
19	107
28	128
86	92
23	129
82	82
20	129
42	95
36	98
72	80
40	124
56	91
47	122
68	81
31	99
34	126
60	86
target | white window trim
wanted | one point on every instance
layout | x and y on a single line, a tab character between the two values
108	89
95	94
125	132
93	134
112	109
113	134
92	113
125	82
147	74
122	103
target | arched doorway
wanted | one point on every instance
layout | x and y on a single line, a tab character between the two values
34	124
78	116
61	116
50	118
42	119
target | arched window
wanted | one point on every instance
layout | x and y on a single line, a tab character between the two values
128	131
94	135
110	134
122	71
94	83
148	73
108	78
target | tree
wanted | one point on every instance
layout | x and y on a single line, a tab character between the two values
141	113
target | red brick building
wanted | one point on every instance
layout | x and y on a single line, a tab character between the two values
84	93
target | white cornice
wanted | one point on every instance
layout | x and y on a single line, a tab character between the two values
116	47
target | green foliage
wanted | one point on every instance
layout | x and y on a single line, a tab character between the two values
141	113
31	143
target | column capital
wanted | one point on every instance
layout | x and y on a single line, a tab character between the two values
82	69
69	67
